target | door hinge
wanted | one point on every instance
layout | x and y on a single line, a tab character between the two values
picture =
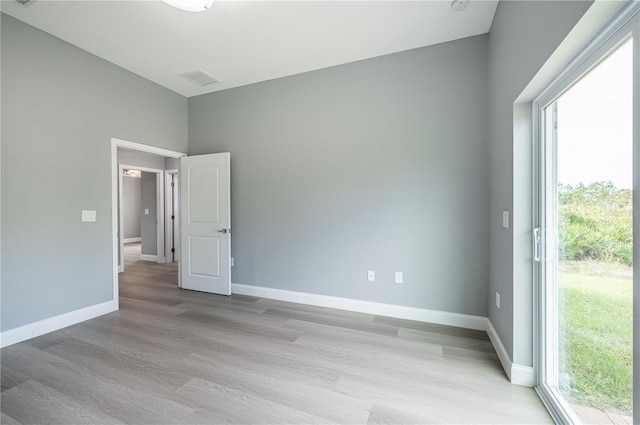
173	184
173	217
173	250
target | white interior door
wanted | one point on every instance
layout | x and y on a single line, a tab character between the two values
205	221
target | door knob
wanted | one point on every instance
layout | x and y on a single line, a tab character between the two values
224	231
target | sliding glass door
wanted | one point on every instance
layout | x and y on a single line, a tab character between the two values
584	245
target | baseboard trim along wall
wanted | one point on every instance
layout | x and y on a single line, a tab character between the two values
32	330
517	374
131	240
398	311
146	257
522	375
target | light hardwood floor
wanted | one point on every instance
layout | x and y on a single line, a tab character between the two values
178	357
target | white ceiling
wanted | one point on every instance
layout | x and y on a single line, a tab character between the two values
245	42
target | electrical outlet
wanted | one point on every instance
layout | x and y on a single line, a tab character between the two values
399	277
498	300
371	276
88	215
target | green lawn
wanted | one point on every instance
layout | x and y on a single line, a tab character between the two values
596	307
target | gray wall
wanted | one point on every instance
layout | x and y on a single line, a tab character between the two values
375	165
523	36
171	163
131	207
149	222
61	106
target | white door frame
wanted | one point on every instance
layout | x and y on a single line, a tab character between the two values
610	37
159	257
115	144
168	236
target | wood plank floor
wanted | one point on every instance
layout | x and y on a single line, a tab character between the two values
178	357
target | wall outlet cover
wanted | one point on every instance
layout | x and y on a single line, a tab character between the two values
88	215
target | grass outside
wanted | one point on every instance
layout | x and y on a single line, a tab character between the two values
596	334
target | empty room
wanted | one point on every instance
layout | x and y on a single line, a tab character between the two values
291	212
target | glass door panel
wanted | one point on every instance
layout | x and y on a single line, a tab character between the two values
588	250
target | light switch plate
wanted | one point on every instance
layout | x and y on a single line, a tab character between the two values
505	219
88	215
146	211
399	278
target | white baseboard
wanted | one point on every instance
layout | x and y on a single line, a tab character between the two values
522	375
32	330
146	257
517	374
369	307
501	350
131	240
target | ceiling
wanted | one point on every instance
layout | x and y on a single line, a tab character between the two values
245	42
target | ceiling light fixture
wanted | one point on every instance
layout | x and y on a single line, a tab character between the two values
459	5
190	5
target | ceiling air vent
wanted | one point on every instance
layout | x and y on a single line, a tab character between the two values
25	2
199	77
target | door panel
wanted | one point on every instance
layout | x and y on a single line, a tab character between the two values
584	245
205	223
204	204
201	262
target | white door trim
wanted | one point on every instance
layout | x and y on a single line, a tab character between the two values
168	240
115	144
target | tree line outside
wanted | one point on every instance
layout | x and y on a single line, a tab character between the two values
595	223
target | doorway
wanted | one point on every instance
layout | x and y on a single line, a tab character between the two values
584	245
168	157
141	212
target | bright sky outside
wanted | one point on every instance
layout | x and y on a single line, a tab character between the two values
595	124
